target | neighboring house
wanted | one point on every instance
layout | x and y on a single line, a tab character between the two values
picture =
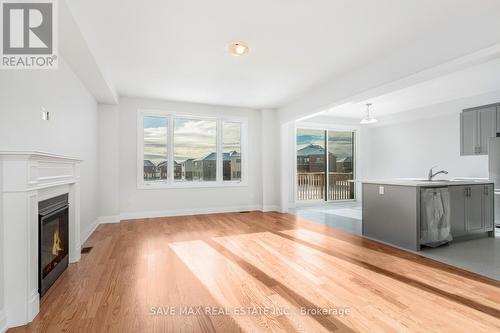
206	168
344	165
234	165
192	169
187	169
149	170
163	169
311	158
177	170
160	171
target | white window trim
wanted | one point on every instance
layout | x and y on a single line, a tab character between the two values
170	183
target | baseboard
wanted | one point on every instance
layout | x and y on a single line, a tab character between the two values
173	212
185	212
33	305
90	229
108	219
271	208
3	321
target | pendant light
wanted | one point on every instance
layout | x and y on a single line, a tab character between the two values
368	119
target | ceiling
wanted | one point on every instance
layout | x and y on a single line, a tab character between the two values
468	82
176	49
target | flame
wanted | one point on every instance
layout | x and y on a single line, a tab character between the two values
56	243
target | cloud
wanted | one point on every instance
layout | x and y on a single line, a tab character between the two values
192	139
155	144
339	142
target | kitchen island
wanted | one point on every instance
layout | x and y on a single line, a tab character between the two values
393	209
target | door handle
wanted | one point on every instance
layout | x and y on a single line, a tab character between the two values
486	190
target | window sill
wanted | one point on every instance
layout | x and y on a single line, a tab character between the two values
191	185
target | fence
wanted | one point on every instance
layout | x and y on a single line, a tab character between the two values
311	186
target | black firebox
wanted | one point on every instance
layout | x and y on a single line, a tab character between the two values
53	254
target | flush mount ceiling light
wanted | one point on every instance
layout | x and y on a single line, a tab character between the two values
237	49
368	119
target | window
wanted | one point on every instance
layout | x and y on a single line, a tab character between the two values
195	150
155	148
231	150
310	164
183	151
340	165
317	151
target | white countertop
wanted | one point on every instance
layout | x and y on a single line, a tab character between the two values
425	183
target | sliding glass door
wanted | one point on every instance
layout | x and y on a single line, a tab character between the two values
311	164
341	165
319	151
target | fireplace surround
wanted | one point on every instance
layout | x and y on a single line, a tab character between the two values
27	179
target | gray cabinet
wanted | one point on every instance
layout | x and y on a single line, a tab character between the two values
487	118
471	209
498	118
488	207
474	208
468	133
457	210
477	126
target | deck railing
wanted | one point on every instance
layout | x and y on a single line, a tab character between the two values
311	186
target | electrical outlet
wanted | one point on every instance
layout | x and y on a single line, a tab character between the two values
381	190
45	114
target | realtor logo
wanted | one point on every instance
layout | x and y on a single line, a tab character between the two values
29	34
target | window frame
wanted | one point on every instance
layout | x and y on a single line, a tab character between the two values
170	182
327	127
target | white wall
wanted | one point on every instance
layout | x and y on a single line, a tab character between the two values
124	200
72	129
408	144
108	138
270	154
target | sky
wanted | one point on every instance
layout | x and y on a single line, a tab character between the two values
339	143
193	138
155	138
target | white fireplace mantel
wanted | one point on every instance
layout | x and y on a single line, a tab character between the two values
27	178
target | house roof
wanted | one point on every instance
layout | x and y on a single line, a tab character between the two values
166	163
148	163
311	150
225	156
234	153
345	159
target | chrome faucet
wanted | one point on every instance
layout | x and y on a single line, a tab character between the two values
432	175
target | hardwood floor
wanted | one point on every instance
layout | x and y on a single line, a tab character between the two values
262	270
